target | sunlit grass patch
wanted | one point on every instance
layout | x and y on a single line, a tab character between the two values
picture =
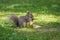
39	19
47	18
6	23
4	15
8	13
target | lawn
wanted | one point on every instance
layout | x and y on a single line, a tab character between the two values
27	34
46	14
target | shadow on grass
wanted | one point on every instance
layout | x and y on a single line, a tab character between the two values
53	25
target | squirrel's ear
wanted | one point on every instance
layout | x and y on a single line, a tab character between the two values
28	13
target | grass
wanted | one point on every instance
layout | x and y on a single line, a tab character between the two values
7	32
25	34
46	14
27	5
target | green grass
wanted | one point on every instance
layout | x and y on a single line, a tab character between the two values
46	14
27	34
8	32
30	5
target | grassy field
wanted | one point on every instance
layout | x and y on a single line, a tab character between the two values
46	14
27	34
